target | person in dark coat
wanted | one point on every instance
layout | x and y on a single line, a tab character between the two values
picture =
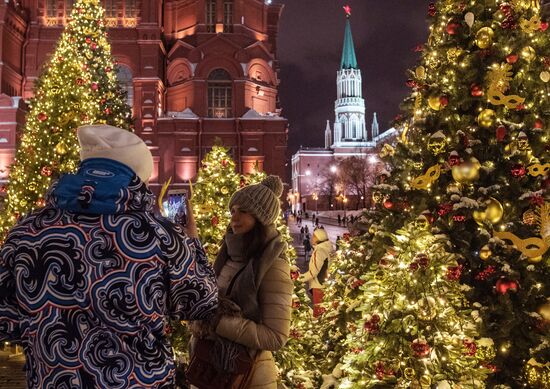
89	282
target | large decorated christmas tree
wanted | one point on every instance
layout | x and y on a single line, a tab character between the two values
471	165
78	86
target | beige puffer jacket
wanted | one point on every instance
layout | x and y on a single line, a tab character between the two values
275	298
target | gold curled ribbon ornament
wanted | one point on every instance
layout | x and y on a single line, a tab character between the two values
424	181
161	196
530	247
538	169
530	26
387	150
496	97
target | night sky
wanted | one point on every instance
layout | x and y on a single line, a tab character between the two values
311	32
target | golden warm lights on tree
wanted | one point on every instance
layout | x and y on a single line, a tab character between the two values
78	86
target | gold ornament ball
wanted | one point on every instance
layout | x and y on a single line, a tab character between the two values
523	141
32	186
372	230
224	190
545	76
422	222
528	53
437	143
420	72
434	102
535	259
486	118
377	197
409	373
529	217
61	148
494	210
484	37
544	310
425	381
485	253
466	172
23	203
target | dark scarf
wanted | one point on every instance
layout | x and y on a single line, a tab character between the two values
244	292
246	286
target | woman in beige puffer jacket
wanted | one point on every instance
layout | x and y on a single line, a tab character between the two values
253	274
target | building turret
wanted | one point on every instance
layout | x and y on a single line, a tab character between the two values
349	126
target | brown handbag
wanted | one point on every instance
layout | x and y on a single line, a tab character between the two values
204	375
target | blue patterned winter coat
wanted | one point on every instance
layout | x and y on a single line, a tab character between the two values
87	284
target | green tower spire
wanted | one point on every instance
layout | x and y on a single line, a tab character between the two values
349	61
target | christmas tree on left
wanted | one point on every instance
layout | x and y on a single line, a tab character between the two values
78	86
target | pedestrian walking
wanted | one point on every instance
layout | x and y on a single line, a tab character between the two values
306	230
318	268
90	280
302	234
307	247
255	297
339	219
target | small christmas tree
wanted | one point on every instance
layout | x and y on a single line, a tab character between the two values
78	86
216	182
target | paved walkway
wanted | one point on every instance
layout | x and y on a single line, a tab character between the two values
333	231
12	375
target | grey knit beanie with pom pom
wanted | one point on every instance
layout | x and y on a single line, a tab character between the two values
261	200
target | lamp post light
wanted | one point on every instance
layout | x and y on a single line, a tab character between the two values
345	201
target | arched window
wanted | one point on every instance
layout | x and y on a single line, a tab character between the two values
210	16
110	9
228	16
51	8
220	88
124	76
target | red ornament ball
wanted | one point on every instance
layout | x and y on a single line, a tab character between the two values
420	348
544	26
538	124
108	111
444	101
388	204
225	162
42	117
518	170
94	86
452	28
454	159
444	209
476	90
88	40
79	81
40	203
504	286
46	171
432	10
108	69
294	275
214	220
93	46
512	58
501	133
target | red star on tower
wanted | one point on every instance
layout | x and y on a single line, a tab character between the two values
347	9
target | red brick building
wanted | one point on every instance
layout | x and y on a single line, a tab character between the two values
195	70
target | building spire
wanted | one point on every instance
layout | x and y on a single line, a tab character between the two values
375	128
328	136
349	60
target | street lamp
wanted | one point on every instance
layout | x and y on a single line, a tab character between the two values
345	201
315	197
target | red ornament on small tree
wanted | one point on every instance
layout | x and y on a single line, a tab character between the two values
476	90
512	58
500	133
452	28
420	348
504	286
214	220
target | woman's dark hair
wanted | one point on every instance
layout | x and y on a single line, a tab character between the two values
257	237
